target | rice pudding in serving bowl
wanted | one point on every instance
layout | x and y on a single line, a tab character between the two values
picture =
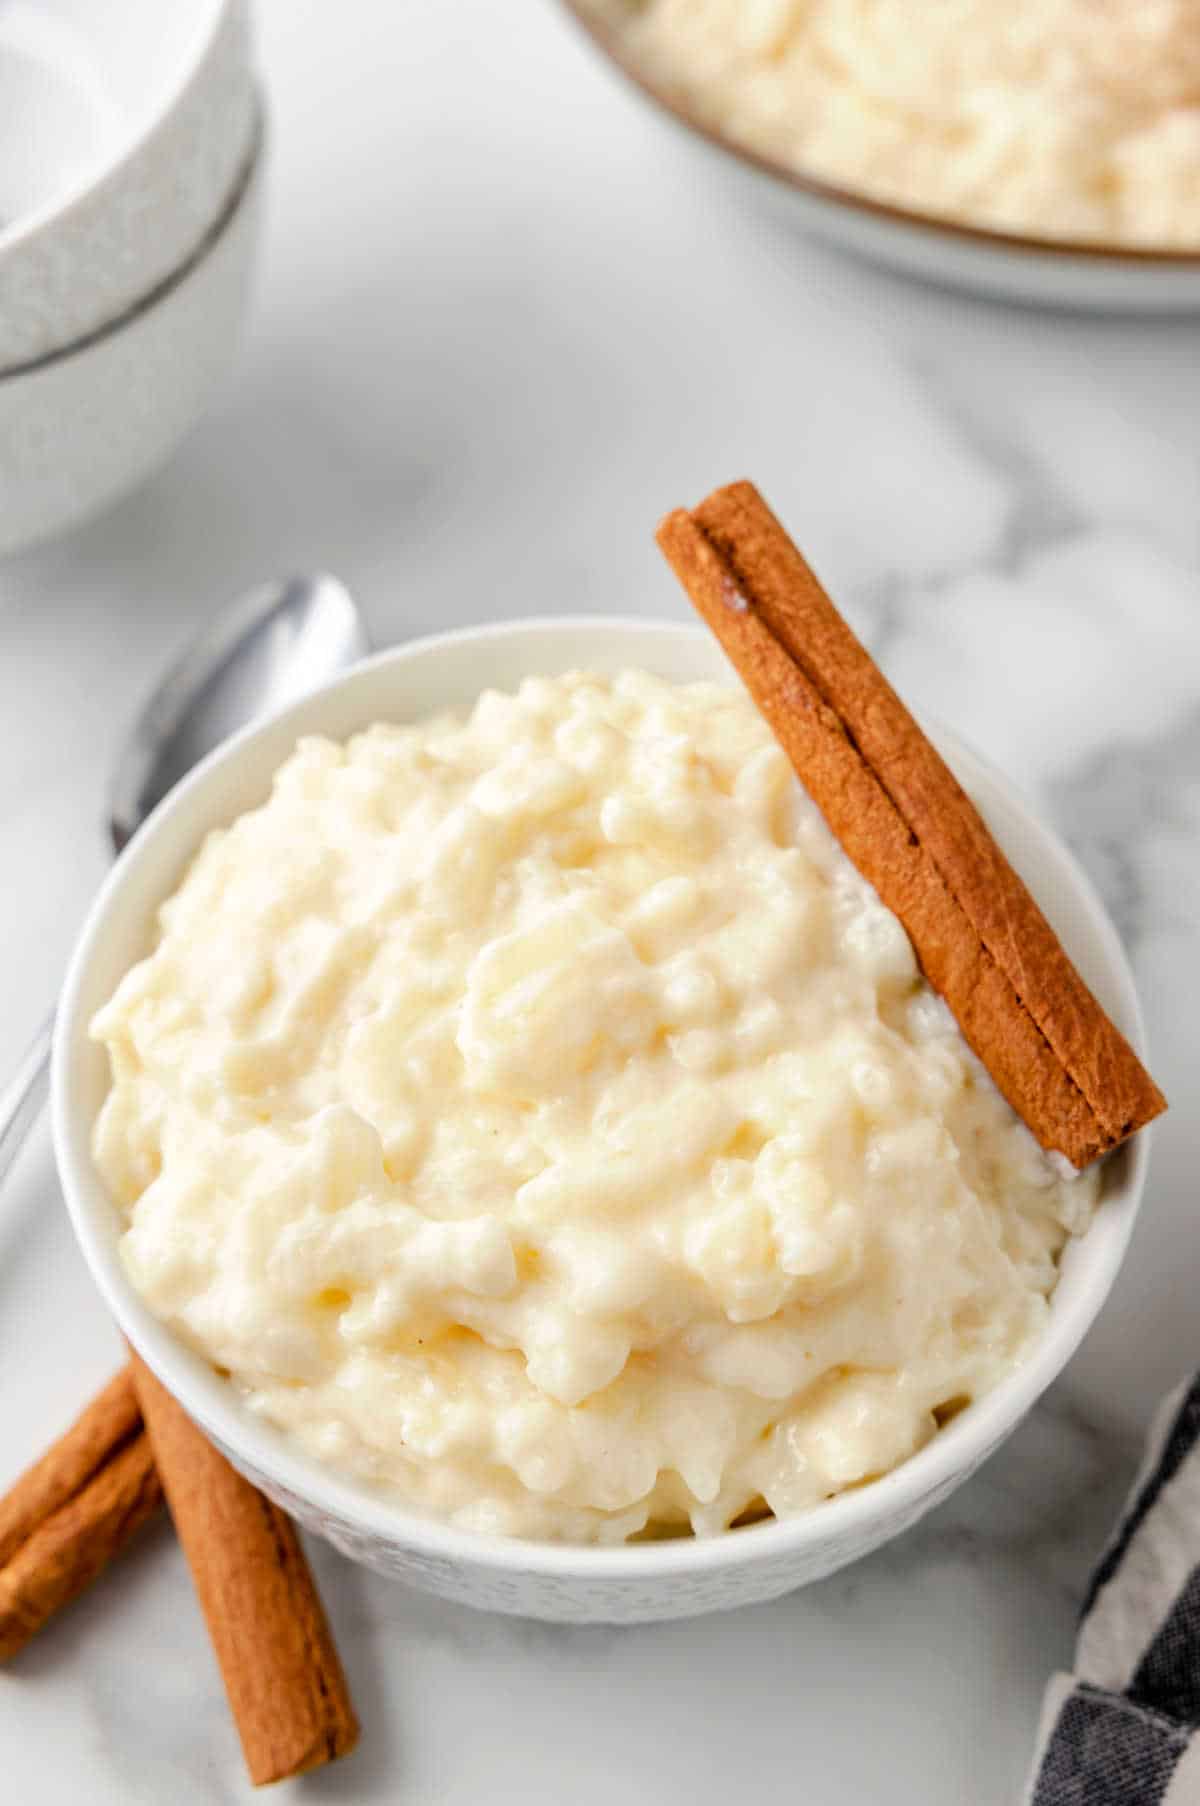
1080	120
1051	158
529	1132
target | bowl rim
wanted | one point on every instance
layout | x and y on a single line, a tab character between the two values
260	1448
243	181
1097	253
25	226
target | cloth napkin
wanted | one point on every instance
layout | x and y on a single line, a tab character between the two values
1124	1729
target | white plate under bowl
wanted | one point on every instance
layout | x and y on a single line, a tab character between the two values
642	1581
1097	278
124	128
84	427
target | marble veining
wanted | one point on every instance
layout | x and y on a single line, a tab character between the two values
1107	801
503	324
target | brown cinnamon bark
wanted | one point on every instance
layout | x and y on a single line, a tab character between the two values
72	1511
910	829
277	1657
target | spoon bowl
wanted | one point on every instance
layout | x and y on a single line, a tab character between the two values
260	654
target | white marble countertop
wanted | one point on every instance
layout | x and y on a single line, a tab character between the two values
503	322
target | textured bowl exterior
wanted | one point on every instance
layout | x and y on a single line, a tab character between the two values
92	260
83	429
580	1598
583	1585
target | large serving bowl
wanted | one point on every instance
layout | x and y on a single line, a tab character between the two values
125	126
83	427
1046	271
646	1580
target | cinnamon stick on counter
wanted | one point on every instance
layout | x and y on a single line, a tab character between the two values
77	1506
276	1654
908	826
72	1511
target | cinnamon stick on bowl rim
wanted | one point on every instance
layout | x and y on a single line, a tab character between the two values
911	830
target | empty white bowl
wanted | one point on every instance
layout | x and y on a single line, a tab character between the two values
83	427
1044	271
124	128
646	1580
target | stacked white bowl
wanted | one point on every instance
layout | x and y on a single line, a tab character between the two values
131	138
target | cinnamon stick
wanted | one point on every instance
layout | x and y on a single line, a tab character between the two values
908	826
72	1511
277	1658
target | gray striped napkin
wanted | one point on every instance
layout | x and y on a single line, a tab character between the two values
1124	1729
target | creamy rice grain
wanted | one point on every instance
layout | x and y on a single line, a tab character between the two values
1068	118
536	1115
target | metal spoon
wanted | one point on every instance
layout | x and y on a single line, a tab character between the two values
257	655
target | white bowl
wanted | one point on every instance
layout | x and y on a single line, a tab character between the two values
642	1581
1101	278
124	128
82	428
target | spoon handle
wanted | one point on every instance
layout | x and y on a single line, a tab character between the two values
22	1098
